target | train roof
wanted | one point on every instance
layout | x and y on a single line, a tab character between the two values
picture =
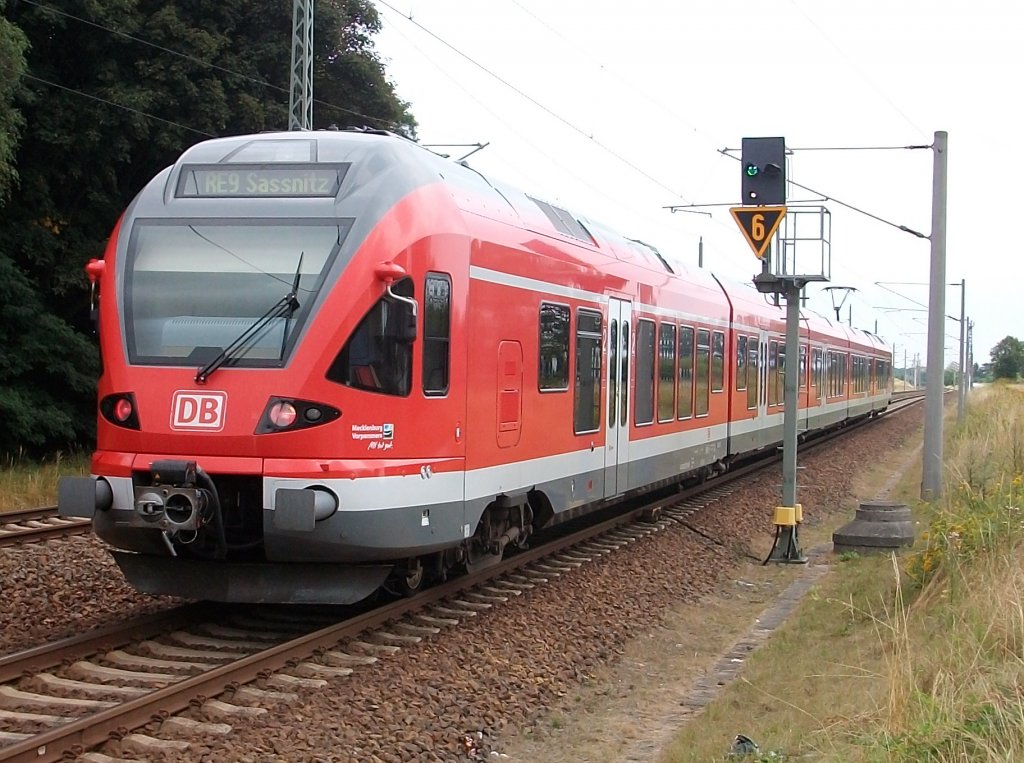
392	166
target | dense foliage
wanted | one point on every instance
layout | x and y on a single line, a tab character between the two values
97	96
1008	358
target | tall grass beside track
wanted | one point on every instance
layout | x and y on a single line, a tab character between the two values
29	484
956	634
912	657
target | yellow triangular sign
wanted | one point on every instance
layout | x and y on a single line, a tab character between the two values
758	225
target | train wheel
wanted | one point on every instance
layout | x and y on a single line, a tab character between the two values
410	580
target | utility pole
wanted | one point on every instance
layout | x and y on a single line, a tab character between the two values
961	396
970	352
931	472
300	100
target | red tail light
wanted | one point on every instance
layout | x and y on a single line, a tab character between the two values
120	410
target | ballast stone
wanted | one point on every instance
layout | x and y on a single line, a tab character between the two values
877	526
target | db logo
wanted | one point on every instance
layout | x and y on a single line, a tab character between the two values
198	411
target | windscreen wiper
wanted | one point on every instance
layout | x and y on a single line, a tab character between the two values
283	308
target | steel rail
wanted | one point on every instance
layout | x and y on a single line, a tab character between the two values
13	531
17	664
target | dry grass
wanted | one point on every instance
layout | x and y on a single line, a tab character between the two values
28	484
911	658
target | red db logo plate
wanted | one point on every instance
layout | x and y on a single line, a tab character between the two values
198	411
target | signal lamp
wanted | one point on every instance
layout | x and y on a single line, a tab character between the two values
763	165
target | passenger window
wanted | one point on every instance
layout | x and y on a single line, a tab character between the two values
717	361
613	374
587	416
437	295
741	363
644	403
684	404
780	388
753	379
667	373
554	347
703	373
378	355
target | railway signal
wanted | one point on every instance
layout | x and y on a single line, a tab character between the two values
763	164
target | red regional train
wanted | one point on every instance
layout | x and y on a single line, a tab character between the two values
336	361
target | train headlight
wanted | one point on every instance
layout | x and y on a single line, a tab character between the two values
282	415
285	414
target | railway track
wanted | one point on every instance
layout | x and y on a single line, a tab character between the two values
32	525
63	699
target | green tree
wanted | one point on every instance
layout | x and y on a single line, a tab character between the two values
1007	358
12	67
40	382
47	371
113	92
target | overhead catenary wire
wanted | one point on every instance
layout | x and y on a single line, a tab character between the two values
857	69
552	159
523	94
118	105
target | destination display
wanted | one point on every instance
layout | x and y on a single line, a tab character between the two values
253	181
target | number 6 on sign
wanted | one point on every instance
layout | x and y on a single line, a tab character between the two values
758	225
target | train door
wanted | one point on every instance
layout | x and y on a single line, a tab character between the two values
616	450
762	390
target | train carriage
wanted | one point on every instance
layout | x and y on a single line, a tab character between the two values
335	361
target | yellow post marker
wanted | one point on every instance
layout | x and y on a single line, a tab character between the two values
785	516
786	547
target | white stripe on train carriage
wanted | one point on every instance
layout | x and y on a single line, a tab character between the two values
478	273
649	447
557	290
546	287
375	493
398	491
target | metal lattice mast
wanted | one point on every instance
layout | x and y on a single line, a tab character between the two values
300	102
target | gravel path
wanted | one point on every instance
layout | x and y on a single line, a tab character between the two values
454	696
